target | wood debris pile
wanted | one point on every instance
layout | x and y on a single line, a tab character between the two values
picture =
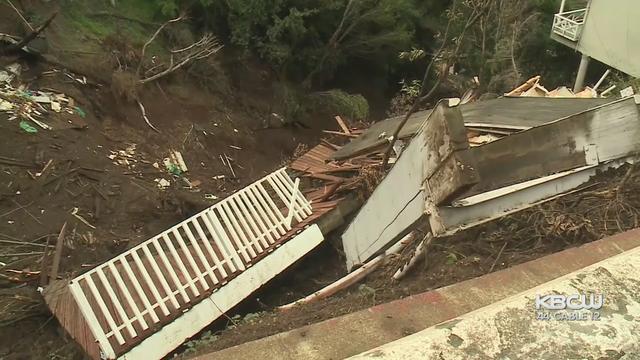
534	88
36	106
332	179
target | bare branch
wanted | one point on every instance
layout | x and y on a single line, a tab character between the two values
27	39
422	97
146	119
153	37
201	49
20	15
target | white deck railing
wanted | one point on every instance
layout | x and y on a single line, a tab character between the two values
569	24
164	275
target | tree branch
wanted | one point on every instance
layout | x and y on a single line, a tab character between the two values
422	97
27	39
153	37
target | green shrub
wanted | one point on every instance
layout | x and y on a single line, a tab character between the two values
353	106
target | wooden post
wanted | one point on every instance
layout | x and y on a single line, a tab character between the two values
58	254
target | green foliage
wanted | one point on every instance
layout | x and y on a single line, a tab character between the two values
353	106
412	55
298	37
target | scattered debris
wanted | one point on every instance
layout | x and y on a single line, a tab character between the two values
126	157
163	183
74	212
532	88
34	105
225	161
175	163
27	128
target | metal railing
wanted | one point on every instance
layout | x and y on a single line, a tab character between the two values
136	290
569	24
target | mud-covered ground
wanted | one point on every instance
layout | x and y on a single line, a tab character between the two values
105	174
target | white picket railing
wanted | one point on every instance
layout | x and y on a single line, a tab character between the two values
569	24
167	273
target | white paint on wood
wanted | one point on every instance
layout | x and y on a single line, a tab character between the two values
483	208
90	317
252	230
395	205
202	314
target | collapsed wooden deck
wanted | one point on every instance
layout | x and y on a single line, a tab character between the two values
450	186
128	300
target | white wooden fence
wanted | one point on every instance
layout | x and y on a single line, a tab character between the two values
133	292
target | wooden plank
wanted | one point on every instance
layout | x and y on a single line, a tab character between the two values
519	111
342	125
613	128
58	253
339	133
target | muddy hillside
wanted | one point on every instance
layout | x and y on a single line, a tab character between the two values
275	147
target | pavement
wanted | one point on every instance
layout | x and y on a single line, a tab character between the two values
534	325
494	296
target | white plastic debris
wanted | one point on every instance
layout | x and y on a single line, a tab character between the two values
5	105
55	106
175	160
163	183
628	91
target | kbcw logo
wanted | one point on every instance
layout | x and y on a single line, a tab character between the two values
572	302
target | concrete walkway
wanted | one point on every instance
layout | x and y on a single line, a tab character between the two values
358	332
520	327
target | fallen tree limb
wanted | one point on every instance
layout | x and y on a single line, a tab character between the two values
27	39
20	15
203	48
146	119
353	277
153	37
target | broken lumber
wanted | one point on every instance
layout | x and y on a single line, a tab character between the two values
524	87
339	133
352	277
342	125
58	253
420	252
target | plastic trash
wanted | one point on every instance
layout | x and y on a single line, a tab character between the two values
27	128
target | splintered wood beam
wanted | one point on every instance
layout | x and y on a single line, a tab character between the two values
58	253
444	134
343	125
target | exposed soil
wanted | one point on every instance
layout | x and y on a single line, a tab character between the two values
608	204
118	198
119	203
